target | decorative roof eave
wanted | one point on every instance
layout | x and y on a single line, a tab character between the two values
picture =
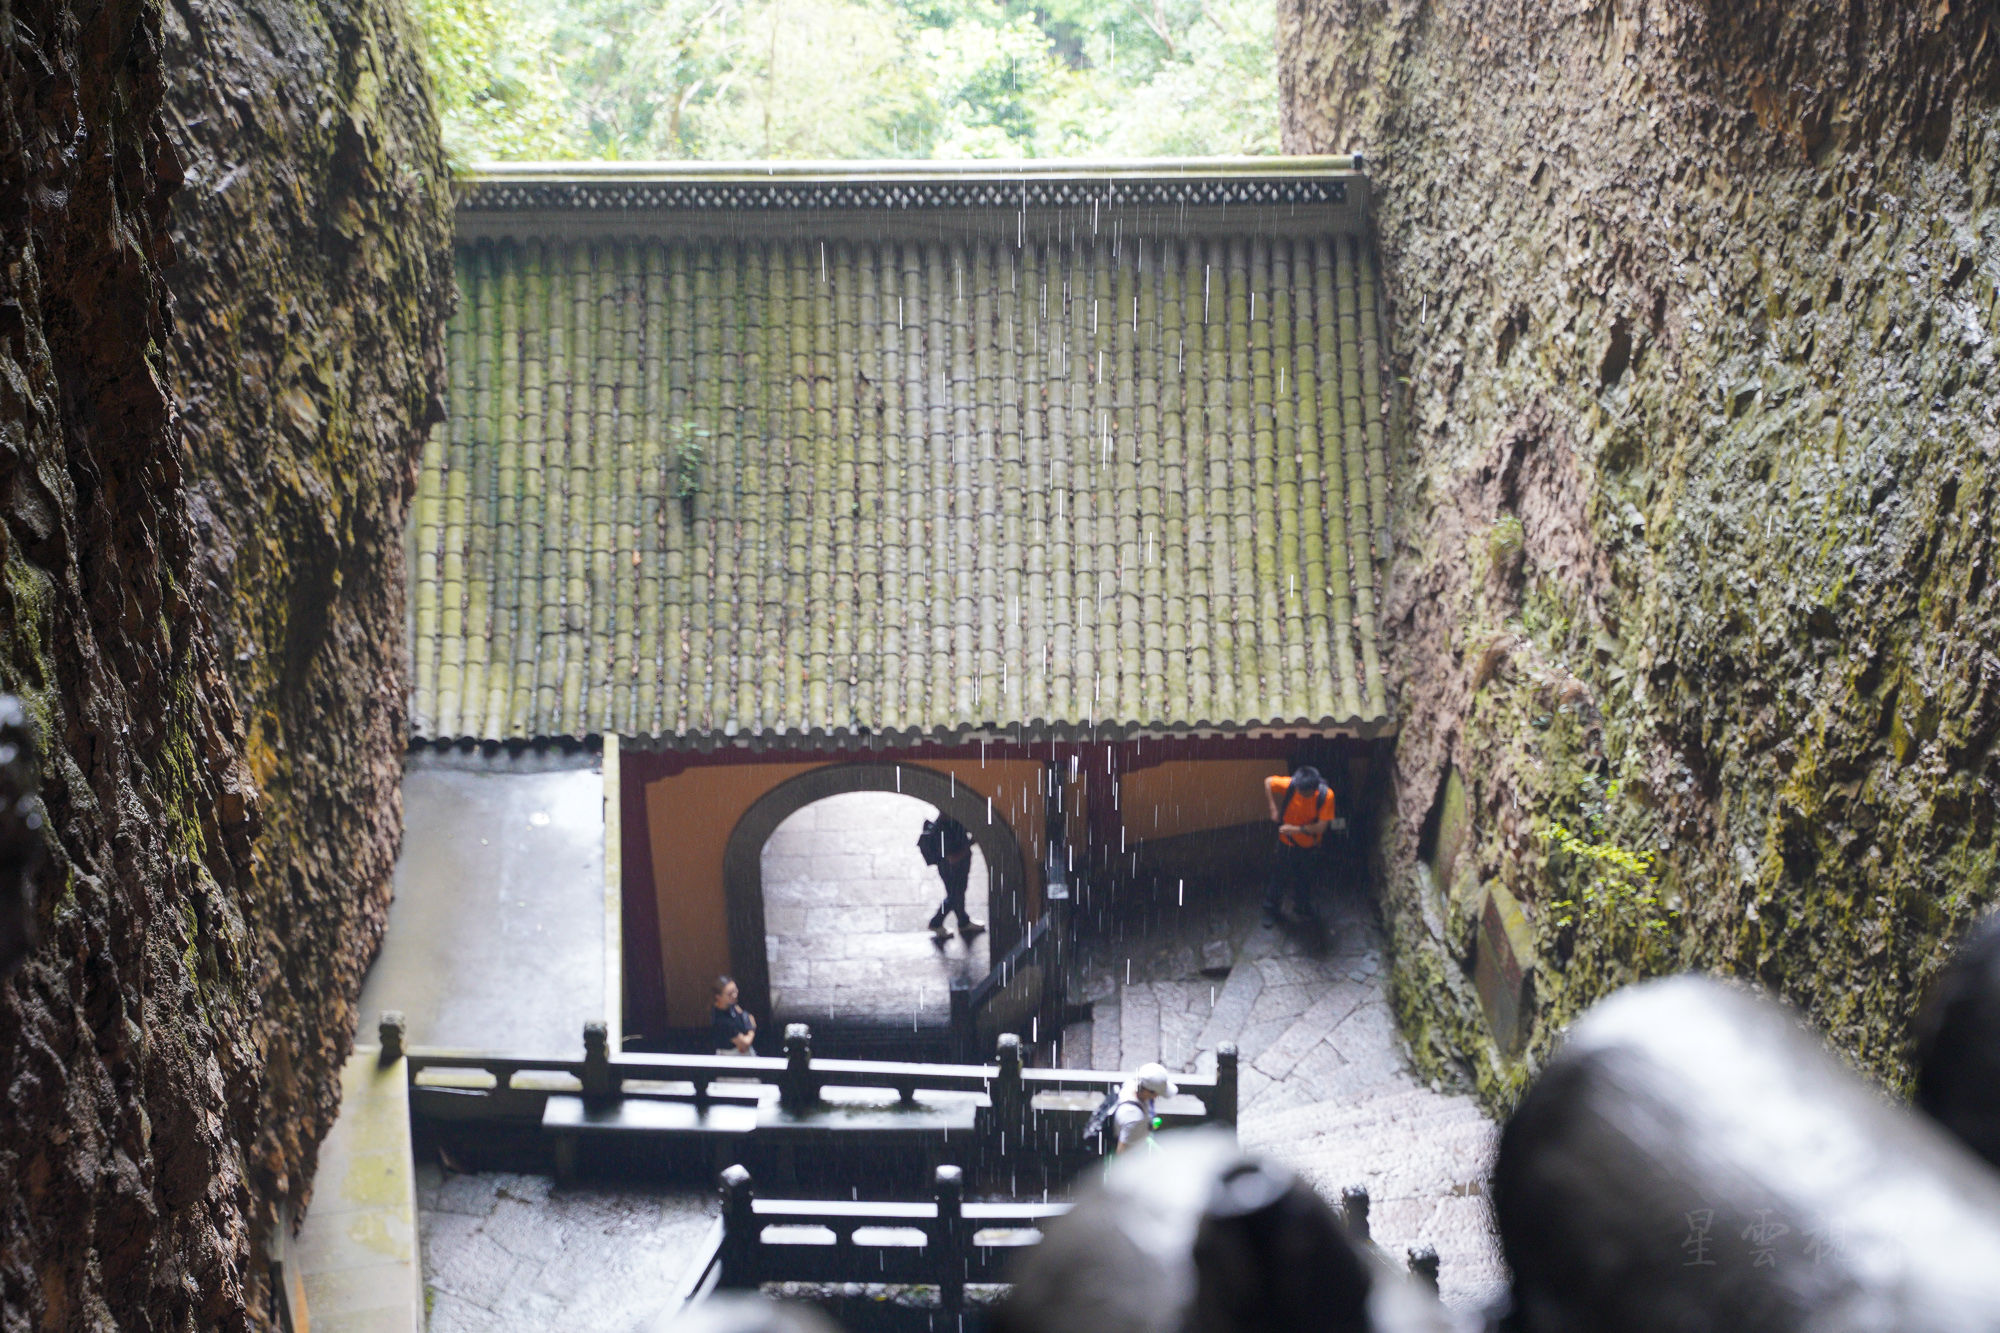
1302	195
858	740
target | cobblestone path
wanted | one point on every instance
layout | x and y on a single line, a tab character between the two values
847	898
1326	1086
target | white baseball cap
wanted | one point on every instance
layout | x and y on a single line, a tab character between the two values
1152	1076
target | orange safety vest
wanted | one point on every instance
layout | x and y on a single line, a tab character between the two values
1301	809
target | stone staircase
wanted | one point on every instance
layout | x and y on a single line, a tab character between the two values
1327	1088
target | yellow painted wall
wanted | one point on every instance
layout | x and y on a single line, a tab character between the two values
1194	796
690	816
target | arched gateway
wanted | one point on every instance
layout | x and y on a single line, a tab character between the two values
1060	487
743	876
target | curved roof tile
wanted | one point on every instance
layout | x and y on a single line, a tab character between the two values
1010	477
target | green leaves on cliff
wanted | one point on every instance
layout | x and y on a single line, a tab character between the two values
1616	881
747	79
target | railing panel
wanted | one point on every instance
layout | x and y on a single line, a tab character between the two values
890	1237
1014	1214
797	1234
839	1212
944	1243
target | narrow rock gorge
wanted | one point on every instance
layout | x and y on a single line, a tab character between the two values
226	238
1693	617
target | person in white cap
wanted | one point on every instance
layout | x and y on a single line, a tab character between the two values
1133	1121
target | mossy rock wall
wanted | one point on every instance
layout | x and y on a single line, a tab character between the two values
211	398
314	236
1692	614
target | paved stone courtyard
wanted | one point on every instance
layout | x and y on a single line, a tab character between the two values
847	899
506	1252
1327	1090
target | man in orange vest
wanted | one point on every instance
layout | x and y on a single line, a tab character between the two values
1302	808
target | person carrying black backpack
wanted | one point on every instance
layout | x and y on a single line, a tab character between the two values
946	844
1302	808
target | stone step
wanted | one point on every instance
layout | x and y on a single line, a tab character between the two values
1309	1030
1183	1008
1139	1034
1232	1006
1107	1020
1408	1112
1078	1045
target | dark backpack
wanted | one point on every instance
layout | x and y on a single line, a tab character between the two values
941	835
1105	1110
1102	1115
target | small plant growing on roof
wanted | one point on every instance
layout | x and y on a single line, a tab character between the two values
687	450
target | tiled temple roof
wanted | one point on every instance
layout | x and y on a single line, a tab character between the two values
834	469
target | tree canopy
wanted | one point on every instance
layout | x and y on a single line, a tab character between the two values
746	79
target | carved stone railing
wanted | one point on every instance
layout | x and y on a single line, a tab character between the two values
944	1243
1018	1106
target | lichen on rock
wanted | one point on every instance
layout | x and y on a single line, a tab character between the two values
1702	299
314	237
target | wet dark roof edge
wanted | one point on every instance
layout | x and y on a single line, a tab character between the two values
907	185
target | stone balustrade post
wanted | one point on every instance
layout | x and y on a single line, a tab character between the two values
1354	1211
1223	1110
597	1080
739	1230
798	1089
963	1037
1424	1265
391	1031
949	1243
1010	1100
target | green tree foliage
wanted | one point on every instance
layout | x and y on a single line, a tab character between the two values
748	79
499	86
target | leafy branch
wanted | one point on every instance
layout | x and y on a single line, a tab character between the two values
1616	879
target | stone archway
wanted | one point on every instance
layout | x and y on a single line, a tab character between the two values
743	872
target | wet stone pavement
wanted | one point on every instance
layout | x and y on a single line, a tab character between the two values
1327	1088
506	1252
847	903
501	877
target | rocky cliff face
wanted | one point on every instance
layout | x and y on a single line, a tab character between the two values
1693	612
216	865
314	239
